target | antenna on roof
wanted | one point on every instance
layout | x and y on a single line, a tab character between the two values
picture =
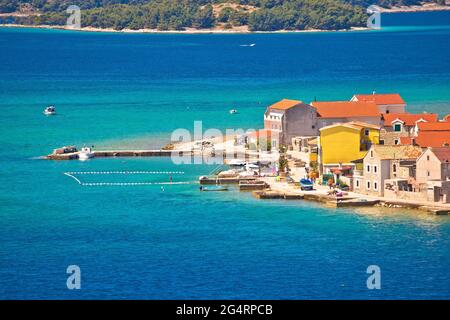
374	92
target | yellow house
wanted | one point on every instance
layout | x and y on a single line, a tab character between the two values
342	143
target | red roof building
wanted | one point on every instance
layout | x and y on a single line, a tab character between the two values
408	119
387	103
346	109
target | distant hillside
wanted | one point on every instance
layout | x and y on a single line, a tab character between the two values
254	15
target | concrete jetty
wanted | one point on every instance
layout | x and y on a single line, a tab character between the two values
122	153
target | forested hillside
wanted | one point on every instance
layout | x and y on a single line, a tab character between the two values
258	15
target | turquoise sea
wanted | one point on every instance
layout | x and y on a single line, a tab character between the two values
145	242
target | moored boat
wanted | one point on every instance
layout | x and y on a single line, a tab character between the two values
50	111
85	154
214	188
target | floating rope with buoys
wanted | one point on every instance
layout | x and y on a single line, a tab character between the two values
73	175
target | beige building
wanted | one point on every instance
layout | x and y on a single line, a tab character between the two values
382	163
433	169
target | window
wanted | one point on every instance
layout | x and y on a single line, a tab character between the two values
368	168
375	186
375	169
397	127
428	173
357	183
366	132
371	153
382	142
368	185
428	158
394	168
396	141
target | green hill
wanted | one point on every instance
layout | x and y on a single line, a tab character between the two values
256	15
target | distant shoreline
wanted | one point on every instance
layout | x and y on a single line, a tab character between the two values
186	31
426	7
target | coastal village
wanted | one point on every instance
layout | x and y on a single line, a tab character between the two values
368	150
369	145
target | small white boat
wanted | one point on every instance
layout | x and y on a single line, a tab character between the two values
251	167
50	111
233	111
85	154
236	163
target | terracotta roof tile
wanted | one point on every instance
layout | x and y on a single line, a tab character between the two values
381	99
434	126
433	139
409	119
285	104
346	109
443	154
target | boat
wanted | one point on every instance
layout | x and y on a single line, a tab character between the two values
214	188
50	111
251	167
85	154
236	163
233	111
306	184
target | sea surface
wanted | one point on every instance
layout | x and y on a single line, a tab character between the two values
172	241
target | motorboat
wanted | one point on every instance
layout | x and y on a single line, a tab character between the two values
251	166
214	188
236	163
85	154
50	111
233	111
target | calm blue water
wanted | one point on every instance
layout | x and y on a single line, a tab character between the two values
116	90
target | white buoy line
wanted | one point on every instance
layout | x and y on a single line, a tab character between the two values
72	175
123	172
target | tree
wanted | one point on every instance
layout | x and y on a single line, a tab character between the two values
205	17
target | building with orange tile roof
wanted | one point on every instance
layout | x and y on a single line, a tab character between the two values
291	118
333	112
386	103
433	126
431	134
433	168
398	126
